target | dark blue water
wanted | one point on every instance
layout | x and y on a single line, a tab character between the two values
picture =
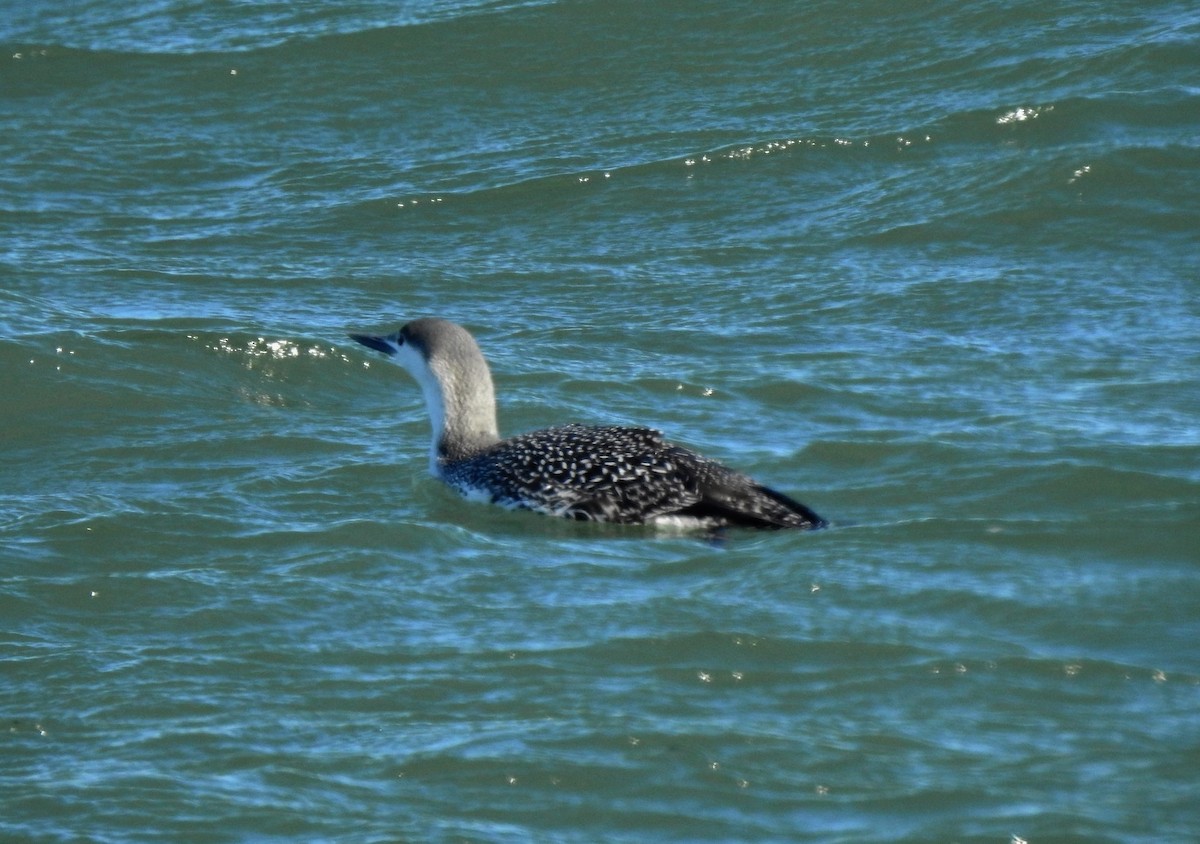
930	269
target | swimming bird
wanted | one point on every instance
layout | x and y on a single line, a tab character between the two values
598	473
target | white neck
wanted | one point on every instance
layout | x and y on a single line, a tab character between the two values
461	403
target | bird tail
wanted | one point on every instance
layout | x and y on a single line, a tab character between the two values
796	512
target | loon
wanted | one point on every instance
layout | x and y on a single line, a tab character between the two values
628	475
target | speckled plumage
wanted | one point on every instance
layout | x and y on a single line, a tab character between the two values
611	474
620	474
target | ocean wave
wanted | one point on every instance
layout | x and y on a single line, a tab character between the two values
1083	144
133	30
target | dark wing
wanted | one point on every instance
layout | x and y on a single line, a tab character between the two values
631	475
731	498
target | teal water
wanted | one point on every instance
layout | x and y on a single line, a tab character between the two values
930	268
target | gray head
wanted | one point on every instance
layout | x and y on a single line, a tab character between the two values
445	360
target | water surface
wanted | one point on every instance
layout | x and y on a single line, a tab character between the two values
930	269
